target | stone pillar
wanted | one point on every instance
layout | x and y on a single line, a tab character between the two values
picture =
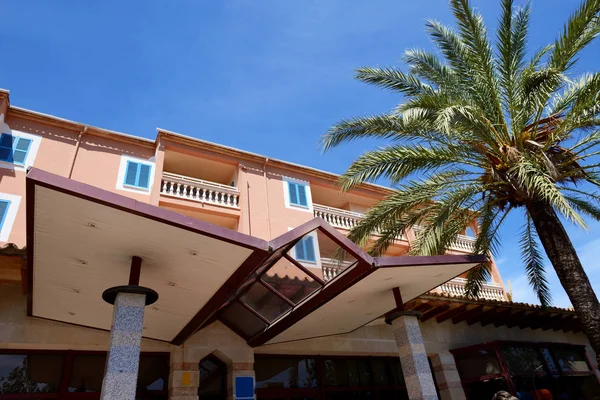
446	376
122	362
120	378
183	381
413	358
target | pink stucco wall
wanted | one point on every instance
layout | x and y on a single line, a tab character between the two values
262	210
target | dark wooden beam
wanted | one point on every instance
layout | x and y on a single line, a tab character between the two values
577	325
562	323
502	317
451	313
423	307
469	314
550	322
539	320
436	311
398	298
487	317
136	269
515	319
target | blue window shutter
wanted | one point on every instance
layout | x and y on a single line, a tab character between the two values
20	149
300	253
131	173
309	248
144	176
6	142
4	205
302	195
293	194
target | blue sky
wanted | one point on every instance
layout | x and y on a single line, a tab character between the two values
264	76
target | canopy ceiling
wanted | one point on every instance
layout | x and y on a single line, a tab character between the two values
81	239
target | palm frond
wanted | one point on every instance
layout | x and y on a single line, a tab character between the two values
534	264
393	79
397	162
429	67
583	27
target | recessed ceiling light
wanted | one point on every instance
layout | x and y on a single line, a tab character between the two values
368	313
351	301
92	225
82	262
71	313
389	278
193	253
172	284
154	308
76	291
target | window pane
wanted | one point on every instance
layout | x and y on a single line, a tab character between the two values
5	154
309	248
396	371
265	302
213	379
87	373
288	372
571	359
302	195
290	280
131	173
19	156
4	204
23	144
477	364
382	372
243	320
32	373
347	372
522	360
144	179
153	372
6	140
334	260
300	252
547	356
293	193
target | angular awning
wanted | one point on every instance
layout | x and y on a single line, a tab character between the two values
81	239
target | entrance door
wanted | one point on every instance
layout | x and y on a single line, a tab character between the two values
213	379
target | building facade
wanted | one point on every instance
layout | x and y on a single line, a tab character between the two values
54	346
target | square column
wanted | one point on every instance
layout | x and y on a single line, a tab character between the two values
120	377
413	358
446	376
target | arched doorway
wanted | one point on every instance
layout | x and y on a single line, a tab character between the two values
213	379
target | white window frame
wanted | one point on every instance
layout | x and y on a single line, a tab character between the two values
123	168
11	214
309	264
31	153
286	194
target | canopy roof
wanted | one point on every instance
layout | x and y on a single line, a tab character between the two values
81	239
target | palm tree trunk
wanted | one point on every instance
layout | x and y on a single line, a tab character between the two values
564	259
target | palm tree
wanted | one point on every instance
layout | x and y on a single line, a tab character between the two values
481	132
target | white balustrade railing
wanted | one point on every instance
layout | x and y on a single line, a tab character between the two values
463	242
185	187
333	267
336	217
489	290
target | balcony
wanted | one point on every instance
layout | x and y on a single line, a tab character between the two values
489	290
336	217
332	267
185	187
